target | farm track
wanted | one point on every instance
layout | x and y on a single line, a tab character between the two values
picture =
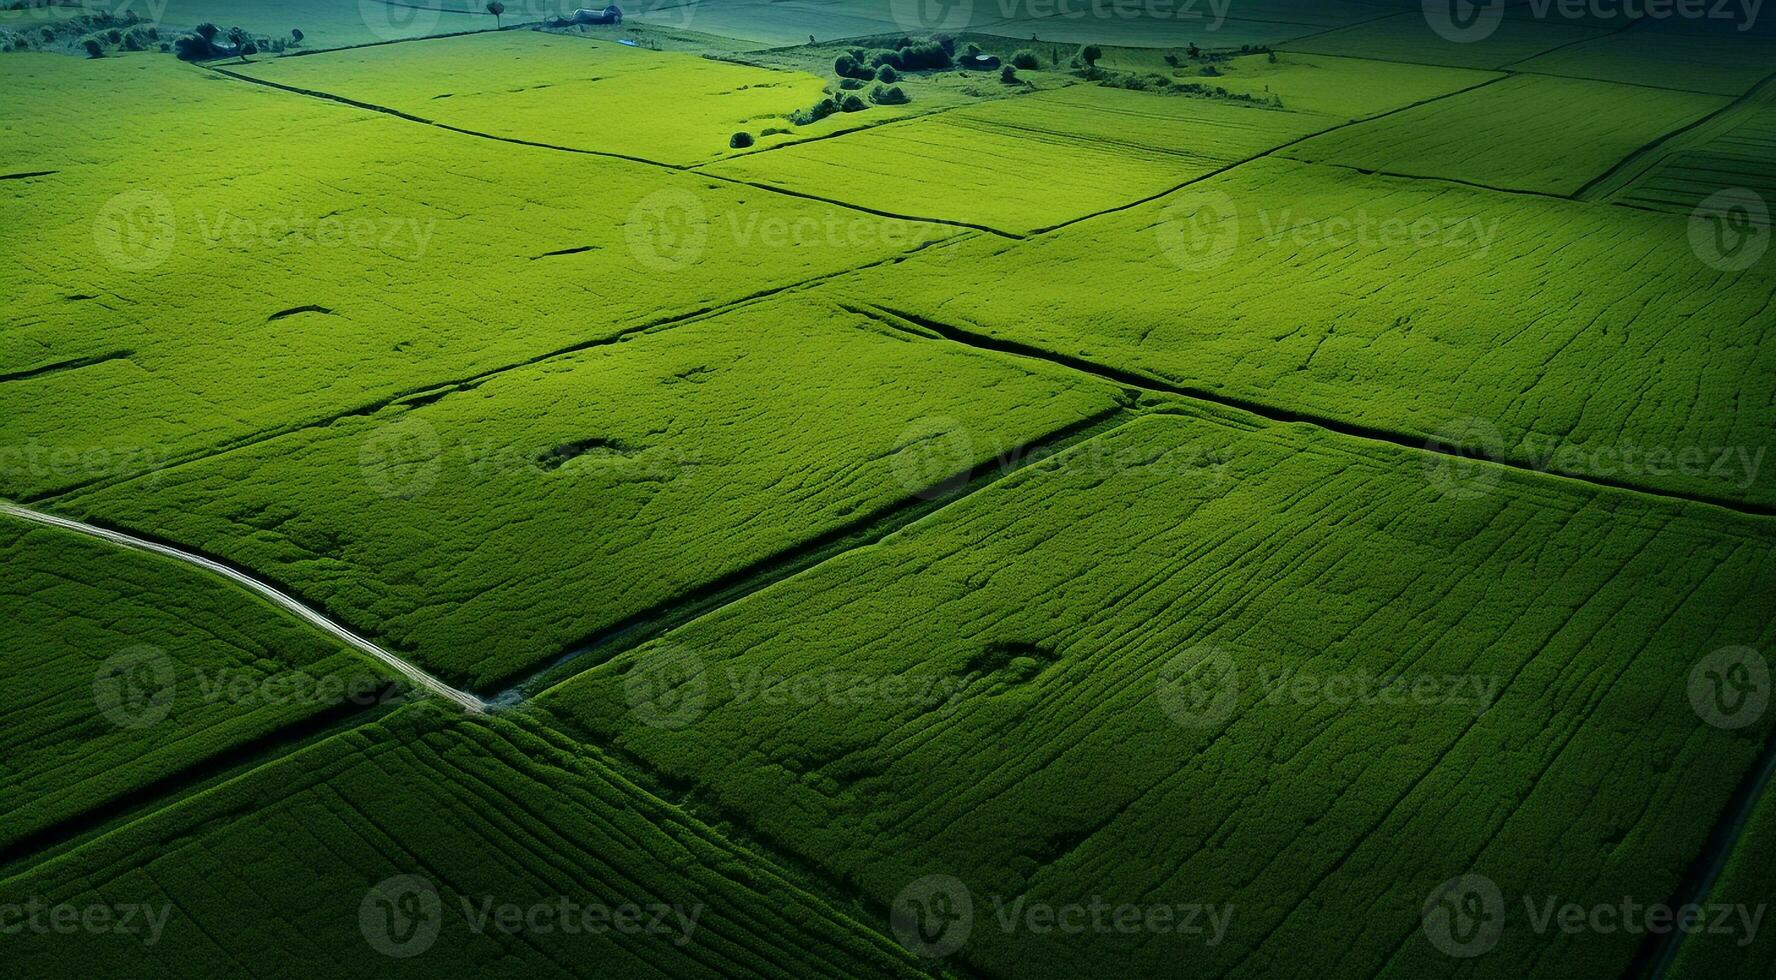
1147	382
424	680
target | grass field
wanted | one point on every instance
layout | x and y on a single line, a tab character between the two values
1032	161
181	669
1408	37
519	503
1581	130
1036	615
1402	305
484	817
598	467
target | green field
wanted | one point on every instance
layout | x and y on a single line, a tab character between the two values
871	488
1030	162
1581	129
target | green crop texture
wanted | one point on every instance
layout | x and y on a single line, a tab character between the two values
1408	37
598	468
1035	644
1580	130
123	669
488	815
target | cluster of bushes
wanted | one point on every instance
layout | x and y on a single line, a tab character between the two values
826	107
207	41
94	33
905	54
1137	82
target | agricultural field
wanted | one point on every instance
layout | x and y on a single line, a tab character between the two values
859	488
1033	161
1341	296
598	467
186	671
322	848
1089	610
1409	38
1582	129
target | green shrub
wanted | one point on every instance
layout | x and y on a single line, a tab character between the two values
93	48
814	113
889	95
1008	75
740	141
1025	59
1090	55
850	84
853	104
886	73
846	66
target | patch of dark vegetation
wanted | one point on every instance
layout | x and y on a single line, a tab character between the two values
68	365
292	311
207	42
566	251
1011	662
558	457
740	141
889	95
77	297
28	173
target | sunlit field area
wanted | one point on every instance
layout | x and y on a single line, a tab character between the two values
888	488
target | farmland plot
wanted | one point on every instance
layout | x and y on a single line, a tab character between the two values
1562	336
563	90
1167	669
123	668
493	528
1724	65
417	846
1578	130
1744	882
1409	37
1348	88
1741	158
1033	161
207	293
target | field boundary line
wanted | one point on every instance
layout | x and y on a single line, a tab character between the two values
1277	413
1149	199
424	680
1587	192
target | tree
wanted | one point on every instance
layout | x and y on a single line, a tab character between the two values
93	48
206	31
1008	75
740	141
1025	59
496	8
247	47
1090	55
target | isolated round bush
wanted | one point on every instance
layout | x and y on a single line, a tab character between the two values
1008	75
889	95
886	73
740	141
1025	59
853	104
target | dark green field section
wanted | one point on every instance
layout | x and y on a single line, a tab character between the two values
1744	882
1556	335
272	872
493	528
1137	671
123	670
